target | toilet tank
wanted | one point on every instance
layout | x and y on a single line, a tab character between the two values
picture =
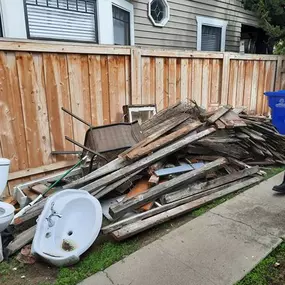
4	171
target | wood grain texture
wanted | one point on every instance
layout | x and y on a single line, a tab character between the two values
12	132
96	90
33	96
79	94
58	95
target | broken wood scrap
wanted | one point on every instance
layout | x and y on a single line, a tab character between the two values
223	180
20	240
231	119
153	180
139	188
142	216
203	157
167	126
230	149
141	225
142	151
218	114
146	161
104	170
163	188
128	181
254	135
220	125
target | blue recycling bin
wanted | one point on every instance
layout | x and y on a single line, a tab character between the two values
276	101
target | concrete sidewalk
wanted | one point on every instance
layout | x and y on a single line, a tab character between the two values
219	247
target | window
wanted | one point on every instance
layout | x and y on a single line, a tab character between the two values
62	19
211	34
116	22
121	25
158	12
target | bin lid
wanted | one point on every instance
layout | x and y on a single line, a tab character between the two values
4	161
275	93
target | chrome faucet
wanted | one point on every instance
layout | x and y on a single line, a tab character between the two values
51	222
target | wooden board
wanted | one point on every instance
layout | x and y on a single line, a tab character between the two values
141	225
166	187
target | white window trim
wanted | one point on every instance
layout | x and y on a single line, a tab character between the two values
105	20
166	18
213	23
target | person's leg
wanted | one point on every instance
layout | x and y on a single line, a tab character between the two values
281	187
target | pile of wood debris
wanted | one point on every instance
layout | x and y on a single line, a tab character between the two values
188	158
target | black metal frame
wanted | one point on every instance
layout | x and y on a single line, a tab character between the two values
62	40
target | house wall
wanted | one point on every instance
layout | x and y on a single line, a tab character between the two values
181	30
13	19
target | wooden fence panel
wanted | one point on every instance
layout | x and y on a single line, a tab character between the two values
58	95
12	131
36	80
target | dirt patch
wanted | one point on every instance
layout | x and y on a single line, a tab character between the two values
15	273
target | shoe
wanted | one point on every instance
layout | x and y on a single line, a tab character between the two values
279	188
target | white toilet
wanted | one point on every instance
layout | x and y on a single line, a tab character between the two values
6	210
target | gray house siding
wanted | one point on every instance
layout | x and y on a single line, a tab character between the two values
181	29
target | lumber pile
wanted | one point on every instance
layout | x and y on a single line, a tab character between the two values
188	158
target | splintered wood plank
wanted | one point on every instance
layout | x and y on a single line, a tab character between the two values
197	72
79	94
12	131
240	86
146	96
160	142
218	114
166	187
260	87
178	80
184	79
33	96
167	212
96	95
206	83
142	163
254	88
172	82
233	83
159	62
128	79
152	80
57	95
105	90
113	87
166	83
247	83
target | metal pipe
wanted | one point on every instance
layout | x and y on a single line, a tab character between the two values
76	117
85	147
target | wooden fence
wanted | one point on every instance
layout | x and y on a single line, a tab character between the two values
94	82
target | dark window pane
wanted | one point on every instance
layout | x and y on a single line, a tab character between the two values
121	24
157	11
211	38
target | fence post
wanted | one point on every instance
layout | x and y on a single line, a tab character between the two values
277	85
136	76
225	79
